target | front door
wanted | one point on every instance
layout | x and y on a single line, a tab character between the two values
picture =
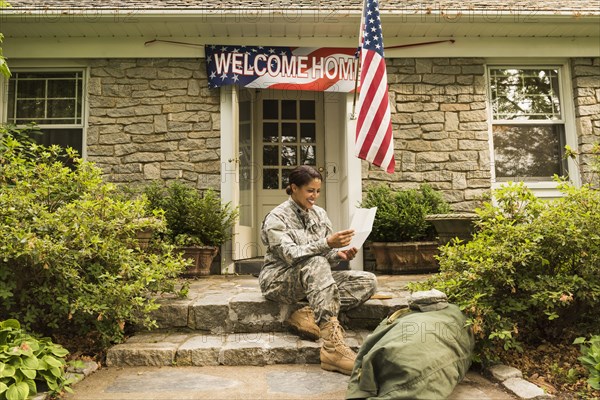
289	132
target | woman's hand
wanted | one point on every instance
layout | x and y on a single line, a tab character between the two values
340	239
349	254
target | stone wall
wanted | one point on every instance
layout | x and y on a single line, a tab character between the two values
586	92
154	119
440	128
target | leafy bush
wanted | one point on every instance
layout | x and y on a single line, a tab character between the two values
401	214
25	135
26	362
4	70
531	271
590	358
69	260
192	219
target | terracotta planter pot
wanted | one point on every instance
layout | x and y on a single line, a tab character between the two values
405	257
143	237
202	257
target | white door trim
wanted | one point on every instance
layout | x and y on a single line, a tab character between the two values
353	175
228	168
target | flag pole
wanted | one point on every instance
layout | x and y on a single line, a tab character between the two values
358	61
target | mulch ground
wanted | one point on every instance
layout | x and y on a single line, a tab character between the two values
555	368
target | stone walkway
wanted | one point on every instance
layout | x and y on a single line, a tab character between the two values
304	381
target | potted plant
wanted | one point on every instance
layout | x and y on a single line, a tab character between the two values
197	223
149	223
402	241
453	226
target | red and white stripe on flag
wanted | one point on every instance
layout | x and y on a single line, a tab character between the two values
374	139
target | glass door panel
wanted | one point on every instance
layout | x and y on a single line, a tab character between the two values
246	205
288	139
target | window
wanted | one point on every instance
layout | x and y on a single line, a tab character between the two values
528	123
53	100
289	131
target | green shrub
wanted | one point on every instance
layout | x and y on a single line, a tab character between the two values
26	362
192	218
4	70
590	358
401	213
531	271
25	136
69	259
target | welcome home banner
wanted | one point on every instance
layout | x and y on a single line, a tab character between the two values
324	69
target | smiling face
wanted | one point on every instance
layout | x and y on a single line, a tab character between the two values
306	195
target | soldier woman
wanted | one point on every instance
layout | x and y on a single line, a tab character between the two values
301	249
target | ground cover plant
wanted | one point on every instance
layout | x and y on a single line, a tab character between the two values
590	358
70	264
531	275
29	364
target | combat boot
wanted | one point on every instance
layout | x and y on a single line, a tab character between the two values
303	322
335	353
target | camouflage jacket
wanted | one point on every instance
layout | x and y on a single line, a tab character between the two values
292	235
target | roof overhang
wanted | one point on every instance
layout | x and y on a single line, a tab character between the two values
307	27
292	23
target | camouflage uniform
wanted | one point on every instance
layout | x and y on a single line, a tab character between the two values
298	263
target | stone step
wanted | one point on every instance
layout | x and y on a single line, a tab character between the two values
225	320
219	305
199	349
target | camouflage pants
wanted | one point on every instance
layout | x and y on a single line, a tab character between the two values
328	292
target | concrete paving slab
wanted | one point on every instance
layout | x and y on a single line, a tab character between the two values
300	381
305	383
475	387
525	389
503	372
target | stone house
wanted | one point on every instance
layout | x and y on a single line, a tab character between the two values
482	92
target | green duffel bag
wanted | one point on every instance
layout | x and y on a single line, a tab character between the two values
413	355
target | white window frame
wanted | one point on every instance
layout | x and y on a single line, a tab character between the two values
542	188
84	70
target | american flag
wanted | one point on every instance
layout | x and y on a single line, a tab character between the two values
374	140
221	73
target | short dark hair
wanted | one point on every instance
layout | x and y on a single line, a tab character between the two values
302	175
